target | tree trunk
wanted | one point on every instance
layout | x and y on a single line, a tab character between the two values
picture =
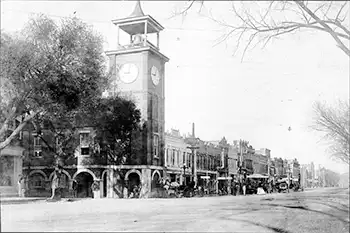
17	130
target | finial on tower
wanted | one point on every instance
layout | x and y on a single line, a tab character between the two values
137	10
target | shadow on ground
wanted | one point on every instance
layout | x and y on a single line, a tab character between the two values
300	207
274	229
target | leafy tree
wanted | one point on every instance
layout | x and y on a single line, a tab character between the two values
334	123
331	178
255	23
50	71
119	135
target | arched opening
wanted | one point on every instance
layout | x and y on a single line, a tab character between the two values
36	185
155	185
104	184
155	181
134	184
84	180
63	185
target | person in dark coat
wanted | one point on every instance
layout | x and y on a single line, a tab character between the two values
75	188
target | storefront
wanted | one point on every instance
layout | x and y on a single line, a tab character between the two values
224	184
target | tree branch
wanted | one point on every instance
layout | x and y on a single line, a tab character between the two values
18	129
326	27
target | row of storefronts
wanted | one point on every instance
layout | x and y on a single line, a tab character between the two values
213	165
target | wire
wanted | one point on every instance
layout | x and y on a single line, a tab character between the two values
97	21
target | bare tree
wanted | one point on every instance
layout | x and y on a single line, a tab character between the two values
334	123
255	23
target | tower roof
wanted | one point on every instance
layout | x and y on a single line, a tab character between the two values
134	23
137	10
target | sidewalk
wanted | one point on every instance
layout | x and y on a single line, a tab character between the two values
20	200
26	200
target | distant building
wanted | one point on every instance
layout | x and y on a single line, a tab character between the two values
261	160
232	160
278	162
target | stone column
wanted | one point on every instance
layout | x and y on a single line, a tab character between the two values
145	183
110	182
97	193
217	183
101	188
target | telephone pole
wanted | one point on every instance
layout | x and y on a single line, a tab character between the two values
193	147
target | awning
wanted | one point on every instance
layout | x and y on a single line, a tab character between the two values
224	178
257	176
205	177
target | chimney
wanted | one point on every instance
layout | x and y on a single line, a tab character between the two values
193	135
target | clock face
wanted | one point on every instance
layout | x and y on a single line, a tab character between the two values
128	72
155	75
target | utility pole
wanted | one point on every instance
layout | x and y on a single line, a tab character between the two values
240	163
193	148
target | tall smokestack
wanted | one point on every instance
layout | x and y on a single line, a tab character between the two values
193	135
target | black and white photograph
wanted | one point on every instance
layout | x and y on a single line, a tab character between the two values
175	116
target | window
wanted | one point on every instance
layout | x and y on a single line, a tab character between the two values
167	156
37	181
84	143
37	141
173	158
178	157
184	158
38	153
155	145
37	146
189	157
85	151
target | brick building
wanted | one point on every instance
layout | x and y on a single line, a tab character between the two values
138	68
261	161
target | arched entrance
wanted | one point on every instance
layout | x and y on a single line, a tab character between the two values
155	180
84	180
134	184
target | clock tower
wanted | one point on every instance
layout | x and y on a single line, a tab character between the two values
138	70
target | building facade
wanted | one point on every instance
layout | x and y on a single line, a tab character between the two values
138	69
178	157
11	162
261	161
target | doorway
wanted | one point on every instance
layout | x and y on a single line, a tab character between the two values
84	181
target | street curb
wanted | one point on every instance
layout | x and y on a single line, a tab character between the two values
21	201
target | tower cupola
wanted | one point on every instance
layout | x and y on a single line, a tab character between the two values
138	26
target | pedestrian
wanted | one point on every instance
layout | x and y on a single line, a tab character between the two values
244	188
55	183
125	192
75	188
270	187
21	189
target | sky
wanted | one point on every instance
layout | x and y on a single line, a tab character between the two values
256	100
